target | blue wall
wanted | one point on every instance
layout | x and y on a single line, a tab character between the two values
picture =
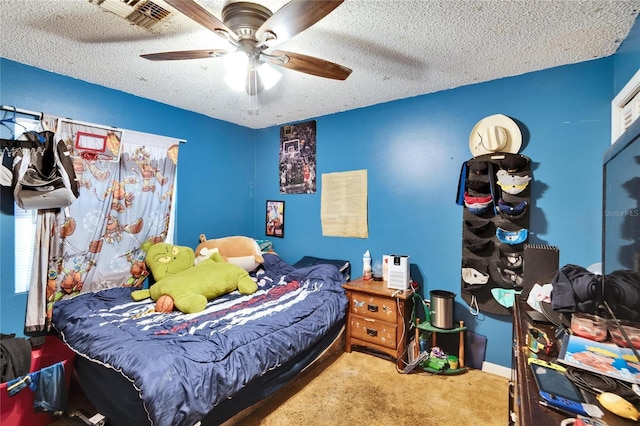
215	172
412	149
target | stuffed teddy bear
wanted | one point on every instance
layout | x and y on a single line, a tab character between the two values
189	286
238	250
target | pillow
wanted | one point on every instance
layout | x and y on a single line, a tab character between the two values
238	250
344	266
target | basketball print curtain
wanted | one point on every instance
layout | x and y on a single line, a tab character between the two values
125	198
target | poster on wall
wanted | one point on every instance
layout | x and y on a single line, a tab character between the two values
298	158
343	204
275	219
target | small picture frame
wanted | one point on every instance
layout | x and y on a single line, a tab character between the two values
275	219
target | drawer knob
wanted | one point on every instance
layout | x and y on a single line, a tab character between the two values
371	332
372	308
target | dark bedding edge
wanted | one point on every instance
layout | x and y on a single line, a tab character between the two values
100	383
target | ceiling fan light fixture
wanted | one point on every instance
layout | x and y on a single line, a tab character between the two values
236	62
239	65
236	81
252	29
268	75
236	65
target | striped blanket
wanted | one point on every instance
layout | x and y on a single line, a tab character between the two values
183	365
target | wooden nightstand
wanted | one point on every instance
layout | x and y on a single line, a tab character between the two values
378	318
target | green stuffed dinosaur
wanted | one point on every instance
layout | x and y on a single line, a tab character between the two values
191	286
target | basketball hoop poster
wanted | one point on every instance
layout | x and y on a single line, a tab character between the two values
92	142
99	145
298	158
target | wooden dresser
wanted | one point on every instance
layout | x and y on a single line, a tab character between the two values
378	317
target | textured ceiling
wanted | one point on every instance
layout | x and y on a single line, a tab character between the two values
397	49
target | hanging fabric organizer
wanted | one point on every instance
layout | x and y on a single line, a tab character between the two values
494	191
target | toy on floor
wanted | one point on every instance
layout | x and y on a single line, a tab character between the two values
189	286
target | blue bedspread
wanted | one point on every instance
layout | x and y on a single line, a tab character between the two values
183	365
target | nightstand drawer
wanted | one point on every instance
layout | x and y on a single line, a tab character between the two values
370	330
375	307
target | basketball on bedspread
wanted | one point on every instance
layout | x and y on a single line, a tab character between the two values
164	303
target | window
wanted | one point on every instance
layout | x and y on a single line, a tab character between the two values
25	237
24	222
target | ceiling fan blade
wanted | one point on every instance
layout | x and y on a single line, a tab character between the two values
295	17
202	16
309	65
185	54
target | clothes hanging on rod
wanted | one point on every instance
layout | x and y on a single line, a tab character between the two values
19	144
10	149
11	122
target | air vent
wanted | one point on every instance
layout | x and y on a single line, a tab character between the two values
148	14
625	107
139	12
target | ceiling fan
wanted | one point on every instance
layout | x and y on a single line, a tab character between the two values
252	29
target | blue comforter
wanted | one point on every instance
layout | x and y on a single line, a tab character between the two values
183	365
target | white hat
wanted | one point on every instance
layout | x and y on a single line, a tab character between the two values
496	133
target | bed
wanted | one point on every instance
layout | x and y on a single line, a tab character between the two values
142	367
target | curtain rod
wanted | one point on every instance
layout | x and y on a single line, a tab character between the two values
105	127
21	111
70	120
84	123
39	115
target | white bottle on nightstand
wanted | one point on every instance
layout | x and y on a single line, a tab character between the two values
366	266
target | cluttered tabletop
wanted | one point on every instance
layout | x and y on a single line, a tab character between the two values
574	369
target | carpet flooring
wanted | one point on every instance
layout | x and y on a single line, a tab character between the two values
358	388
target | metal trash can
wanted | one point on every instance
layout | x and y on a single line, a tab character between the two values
442	309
